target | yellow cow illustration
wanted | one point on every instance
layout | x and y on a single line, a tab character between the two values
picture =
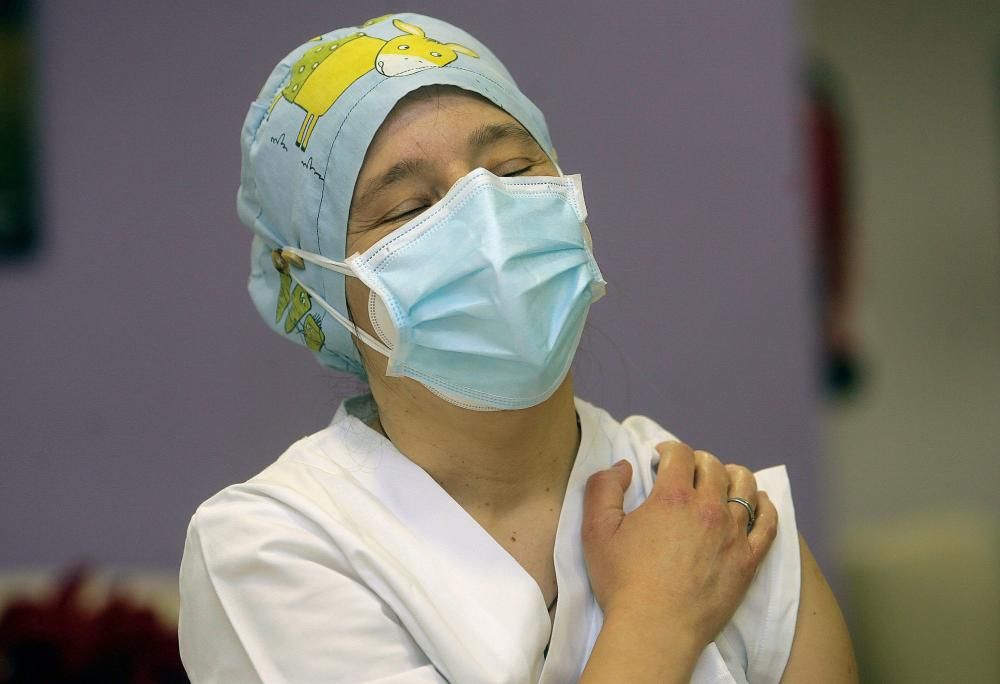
325	71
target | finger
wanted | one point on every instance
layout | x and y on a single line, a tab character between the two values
676	469
742	482
742	485
765	529
710	476
603	500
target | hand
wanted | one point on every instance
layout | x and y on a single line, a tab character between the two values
682	561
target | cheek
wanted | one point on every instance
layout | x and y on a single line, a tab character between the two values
357	303
355	290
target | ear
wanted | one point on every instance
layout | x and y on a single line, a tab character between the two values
462	49
375	20
408	28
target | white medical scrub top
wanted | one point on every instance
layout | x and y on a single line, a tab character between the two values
343	561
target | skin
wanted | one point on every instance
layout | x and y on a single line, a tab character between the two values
509	469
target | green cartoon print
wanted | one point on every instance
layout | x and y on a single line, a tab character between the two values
297	302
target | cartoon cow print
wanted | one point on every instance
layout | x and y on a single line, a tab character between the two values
325	71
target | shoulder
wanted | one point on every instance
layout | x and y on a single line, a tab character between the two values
306	490
763	627
759	638
606	439
303	497
310	480
271	588
636	430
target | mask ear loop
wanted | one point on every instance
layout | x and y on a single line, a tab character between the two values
290	256
295	257
583	207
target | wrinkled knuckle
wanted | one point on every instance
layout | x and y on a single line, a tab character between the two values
672	495
599	476
741	474
597	480
675	449
668	447
706	456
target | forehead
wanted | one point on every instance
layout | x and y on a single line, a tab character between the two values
436	123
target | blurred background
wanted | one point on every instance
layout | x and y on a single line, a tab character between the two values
795	204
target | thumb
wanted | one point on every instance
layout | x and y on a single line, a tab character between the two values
603	500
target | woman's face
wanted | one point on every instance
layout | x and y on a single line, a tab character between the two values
426	144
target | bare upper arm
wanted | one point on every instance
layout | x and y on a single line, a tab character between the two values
821	649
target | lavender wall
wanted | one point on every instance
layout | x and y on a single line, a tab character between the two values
137	378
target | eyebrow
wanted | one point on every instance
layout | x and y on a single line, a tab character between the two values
487	134
401	170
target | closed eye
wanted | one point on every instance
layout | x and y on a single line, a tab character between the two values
518	172
410	213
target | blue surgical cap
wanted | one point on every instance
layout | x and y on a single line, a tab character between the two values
304	140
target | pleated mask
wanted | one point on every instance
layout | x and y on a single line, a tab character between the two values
483	297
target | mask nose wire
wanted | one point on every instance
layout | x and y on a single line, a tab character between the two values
339	267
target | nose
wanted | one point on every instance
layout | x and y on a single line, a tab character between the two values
455	171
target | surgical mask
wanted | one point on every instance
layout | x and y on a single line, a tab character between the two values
483	297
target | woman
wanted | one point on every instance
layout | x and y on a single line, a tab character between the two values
464	522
